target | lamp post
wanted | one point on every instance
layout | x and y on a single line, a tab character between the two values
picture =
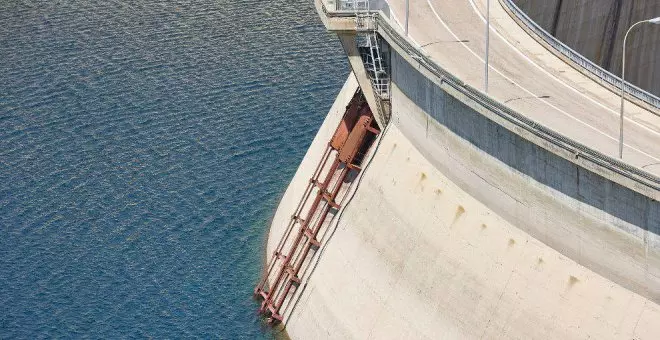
407	15
487	42
623	77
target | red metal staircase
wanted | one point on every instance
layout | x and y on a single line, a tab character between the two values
344	153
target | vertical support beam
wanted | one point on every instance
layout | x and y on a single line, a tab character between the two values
349	43
487	43
407	15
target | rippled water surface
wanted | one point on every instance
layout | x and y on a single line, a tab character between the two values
143	148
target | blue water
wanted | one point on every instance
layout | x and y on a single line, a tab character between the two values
143	149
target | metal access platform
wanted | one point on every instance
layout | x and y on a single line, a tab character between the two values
321	200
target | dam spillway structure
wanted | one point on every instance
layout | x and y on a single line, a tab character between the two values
426	208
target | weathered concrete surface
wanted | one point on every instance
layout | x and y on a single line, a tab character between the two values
570	208
463	227
340	23
416	256
595	29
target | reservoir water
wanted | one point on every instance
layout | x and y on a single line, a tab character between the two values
143	148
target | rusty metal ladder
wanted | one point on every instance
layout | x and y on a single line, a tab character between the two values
285	266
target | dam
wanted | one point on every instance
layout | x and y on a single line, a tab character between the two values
437	203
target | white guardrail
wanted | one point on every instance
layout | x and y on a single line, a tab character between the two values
580	60
580	151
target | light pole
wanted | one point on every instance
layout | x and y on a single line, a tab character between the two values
487	42
407	14
623	77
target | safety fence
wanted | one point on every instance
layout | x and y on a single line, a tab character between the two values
579	150
580	60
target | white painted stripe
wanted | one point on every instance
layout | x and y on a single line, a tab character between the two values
608	109
529	92
400	25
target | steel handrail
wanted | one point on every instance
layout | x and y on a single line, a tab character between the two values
518	119
579	59
579	150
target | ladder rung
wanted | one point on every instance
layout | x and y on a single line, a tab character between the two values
311	239
292	274
295	279
373	130
274	317
298	219
354	167
331	202
280	256
274	313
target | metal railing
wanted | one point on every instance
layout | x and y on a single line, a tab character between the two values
579	150
580	60
353	5
527	124
369	44
374	64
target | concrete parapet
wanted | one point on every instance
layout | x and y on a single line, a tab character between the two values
596	29
567	206
614	170
599	71
336	21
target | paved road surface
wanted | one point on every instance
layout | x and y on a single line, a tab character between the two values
530	79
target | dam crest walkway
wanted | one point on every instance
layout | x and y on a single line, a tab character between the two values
529	79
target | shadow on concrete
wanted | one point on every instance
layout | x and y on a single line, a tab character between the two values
526	157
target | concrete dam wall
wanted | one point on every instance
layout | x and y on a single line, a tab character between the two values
595	29
468	222
443	239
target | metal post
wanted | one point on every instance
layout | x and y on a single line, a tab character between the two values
407	15
623	79
487	43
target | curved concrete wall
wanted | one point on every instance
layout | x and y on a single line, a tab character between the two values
595	29
572	209
461	228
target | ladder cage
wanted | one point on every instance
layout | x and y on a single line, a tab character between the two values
373	56
369	45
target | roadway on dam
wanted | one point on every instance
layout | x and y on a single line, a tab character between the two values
529	79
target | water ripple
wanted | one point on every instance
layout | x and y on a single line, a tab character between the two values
143	146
